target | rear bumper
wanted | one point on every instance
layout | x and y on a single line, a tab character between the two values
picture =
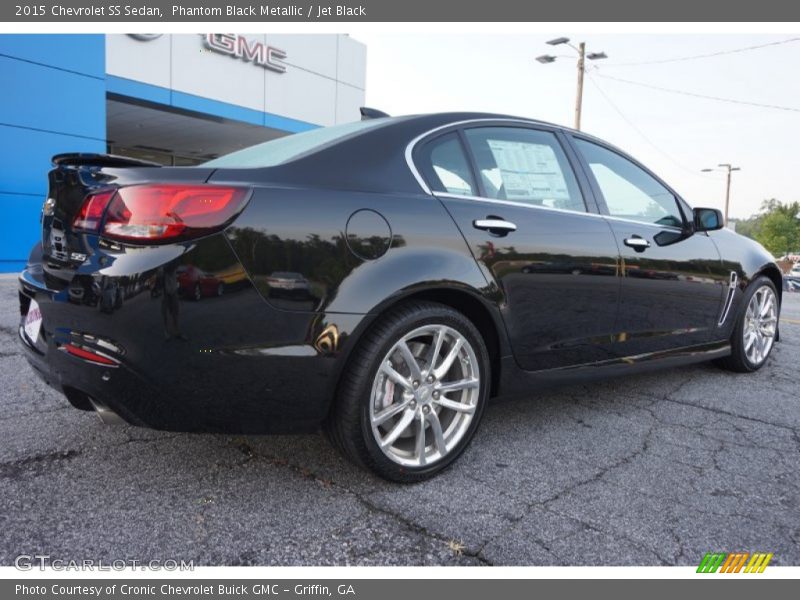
66	373
231	364
62	372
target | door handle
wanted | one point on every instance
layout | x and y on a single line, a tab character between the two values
494	225
637	242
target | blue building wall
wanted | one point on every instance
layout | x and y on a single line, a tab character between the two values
53	101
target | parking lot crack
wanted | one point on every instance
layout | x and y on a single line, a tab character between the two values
477	553
251	454
681	554
602	471
796	438
613	533
733	414
36	413
32	464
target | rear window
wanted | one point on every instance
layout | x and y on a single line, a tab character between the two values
275	152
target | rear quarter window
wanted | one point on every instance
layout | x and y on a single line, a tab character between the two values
284	149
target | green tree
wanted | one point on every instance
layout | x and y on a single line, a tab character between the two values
776	226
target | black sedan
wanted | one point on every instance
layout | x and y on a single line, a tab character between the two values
444	259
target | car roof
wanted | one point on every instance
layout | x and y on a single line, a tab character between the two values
446	118
373	160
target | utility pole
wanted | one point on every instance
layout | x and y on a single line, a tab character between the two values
579	96
728	168
727	194
582	56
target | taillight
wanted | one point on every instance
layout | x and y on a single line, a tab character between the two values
168	212
90	355
91	212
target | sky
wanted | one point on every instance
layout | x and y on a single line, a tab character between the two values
674	135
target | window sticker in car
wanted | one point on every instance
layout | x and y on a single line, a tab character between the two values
452	182
529	171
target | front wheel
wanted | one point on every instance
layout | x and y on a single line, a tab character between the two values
756	328
413	394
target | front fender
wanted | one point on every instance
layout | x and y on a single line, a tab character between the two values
748	259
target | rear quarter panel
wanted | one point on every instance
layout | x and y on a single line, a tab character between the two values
358	251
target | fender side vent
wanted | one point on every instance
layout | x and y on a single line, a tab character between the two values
734	280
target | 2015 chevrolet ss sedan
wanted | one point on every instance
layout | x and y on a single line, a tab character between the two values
382	279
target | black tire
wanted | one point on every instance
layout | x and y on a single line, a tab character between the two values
348	426
197	293
738	360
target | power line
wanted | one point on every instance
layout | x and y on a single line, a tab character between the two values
633	126
708	55
703	96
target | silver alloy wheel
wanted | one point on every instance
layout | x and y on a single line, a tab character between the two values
760	325
424	395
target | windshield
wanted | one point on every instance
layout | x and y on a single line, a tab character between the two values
275	152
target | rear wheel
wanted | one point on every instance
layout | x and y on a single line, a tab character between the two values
413	394
756	328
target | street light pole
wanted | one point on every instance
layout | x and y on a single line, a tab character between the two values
727	194
582	56
729	169
579	96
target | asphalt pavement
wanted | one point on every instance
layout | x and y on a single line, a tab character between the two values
648	470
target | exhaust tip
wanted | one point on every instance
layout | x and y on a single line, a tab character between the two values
107	416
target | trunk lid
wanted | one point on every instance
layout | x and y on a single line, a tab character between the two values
73	177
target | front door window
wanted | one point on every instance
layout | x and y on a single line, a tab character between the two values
630	192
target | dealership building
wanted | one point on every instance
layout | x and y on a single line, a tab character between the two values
172	99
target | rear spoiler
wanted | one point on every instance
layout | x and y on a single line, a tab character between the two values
99	160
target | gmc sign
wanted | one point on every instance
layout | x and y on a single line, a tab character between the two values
239	46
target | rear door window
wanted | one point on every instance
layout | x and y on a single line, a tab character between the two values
524	165
446	167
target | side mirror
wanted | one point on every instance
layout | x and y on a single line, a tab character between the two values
708	219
